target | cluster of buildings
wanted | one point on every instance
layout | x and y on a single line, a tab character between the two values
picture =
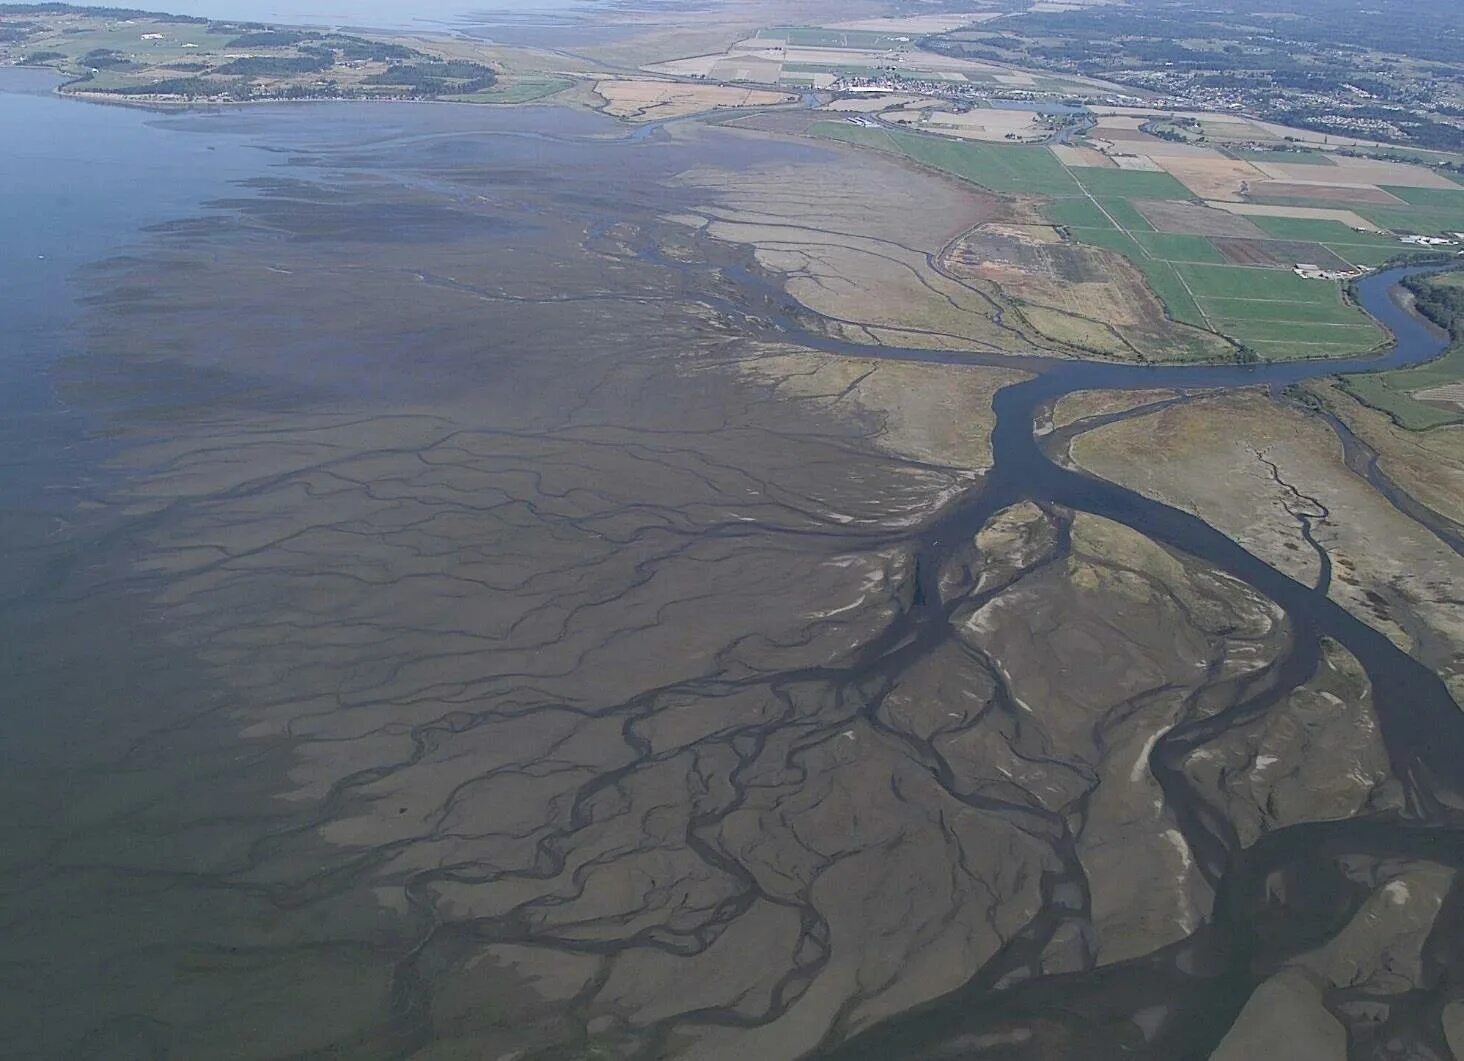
1316	272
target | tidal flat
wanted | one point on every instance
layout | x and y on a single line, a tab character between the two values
533	591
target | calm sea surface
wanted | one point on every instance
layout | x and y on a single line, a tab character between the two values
381	14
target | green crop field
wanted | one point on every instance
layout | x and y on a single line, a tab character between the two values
1368	257
1238	281
1130	184
1080	212
1000	167
1351	336
1446	199
1320	231
1126	215
1249	309
1415	219
1177	248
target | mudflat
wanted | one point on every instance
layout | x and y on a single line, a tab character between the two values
539	588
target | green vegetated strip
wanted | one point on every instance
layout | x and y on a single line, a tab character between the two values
1350	336
519	90
1002	168
1368	257
1426	220
863	135
1413	219
1178	248
1236	281
1126	214
1076	212
1441	299
1130	184
1334	311
1314	230
1448	199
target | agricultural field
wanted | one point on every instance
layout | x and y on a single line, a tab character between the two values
1204	228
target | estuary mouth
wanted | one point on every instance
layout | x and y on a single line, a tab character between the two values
672	614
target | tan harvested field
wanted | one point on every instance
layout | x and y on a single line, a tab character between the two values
1192	220
1328	192
1212	177
1142	163
1229	129
1070	155
1161	150
1311	213
1276	253
759	71
646	100
1377	171
1300	171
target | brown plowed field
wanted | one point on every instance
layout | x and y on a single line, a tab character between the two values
1331	193
1186	218
1277	252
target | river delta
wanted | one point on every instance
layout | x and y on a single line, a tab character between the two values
490	583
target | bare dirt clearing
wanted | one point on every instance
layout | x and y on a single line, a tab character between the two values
1277	253
1189	219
